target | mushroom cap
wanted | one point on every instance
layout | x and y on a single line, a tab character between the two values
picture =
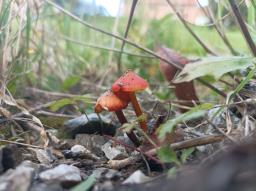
111	102
129	82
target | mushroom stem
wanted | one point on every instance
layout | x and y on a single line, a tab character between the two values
122	119
137	110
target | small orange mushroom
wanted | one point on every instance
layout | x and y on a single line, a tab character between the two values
129	83
115	103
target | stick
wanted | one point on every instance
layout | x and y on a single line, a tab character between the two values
118	164
191	143
22	144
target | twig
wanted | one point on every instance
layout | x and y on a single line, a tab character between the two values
217	27
60	115
191	143
106	48
112	45
223	94
110	34
118	164
190	30
133	148
53	94
217	21
243	27
22	144
119	64
220	130
179	66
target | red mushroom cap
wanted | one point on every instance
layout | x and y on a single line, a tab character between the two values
111	102
129	82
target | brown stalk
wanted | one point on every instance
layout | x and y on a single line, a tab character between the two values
137	110
122	119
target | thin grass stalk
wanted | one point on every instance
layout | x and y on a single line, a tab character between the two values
119	62
243	27
196	37
113	42
4	54
208	13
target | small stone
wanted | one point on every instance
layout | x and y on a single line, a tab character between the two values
91	142
136	178
29	164
66	174
11	156
17	180
116	152
78	149
43	187
106	173
81	152
90	124
44	156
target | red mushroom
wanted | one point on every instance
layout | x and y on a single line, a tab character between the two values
115	102
130	83
184	91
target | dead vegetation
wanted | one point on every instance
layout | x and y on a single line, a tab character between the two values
196	129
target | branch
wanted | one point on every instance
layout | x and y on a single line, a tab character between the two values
191	143
105	48
118	164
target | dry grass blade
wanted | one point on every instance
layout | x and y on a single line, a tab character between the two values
206	48
243	27
209	14
119	64
110	34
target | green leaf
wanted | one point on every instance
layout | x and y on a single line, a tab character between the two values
66	101
166	154
241	85
191	114
251	14
60	103
83	98
214	66
70	82
185	154
127	127
172	172
85	185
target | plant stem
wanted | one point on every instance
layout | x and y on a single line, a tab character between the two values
122	119
209	14
119	64
205	47
150	52
137	110
243	27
